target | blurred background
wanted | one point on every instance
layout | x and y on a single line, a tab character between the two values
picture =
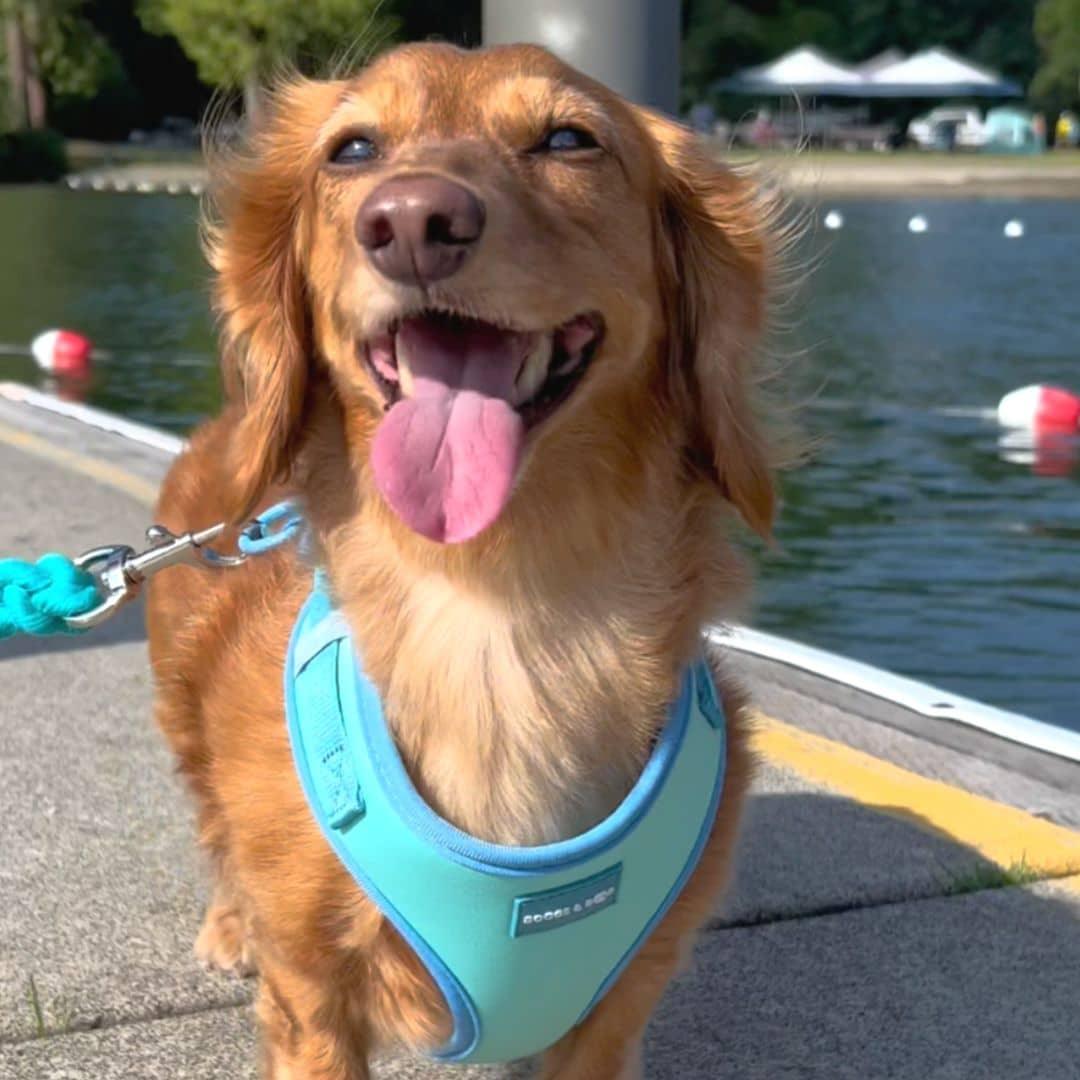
929	150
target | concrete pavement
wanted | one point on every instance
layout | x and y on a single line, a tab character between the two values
862	938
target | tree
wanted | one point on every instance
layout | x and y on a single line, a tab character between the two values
50	48
719	37
237	44
1057	29
154	79
996	33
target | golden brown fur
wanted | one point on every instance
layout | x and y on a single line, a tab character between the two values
524	673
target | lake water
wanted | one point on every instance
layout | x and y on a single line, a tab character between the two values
914	540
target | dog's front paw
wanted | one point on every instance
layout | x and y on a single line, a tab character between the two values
223	943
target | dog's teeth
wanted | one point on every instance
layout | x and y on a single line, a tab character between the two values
535	370
568	365
574	338
404	369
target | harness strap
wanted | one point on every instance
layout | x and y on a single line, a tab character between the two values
339	791
522	942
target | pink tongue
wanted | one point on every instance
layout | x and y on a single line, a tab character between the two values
445	457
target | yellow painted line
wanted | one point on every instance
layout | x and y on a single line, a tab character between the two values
110	475
1003	834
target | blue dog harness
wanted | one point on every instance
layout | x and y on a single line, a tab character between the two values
521	941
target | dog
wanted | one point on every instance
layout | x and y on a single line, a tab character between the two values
496	328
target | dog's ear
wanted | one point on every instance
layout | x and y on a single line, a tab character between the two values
713	254
255	244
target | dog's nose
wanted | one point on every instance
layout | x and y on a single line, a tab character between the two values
418	229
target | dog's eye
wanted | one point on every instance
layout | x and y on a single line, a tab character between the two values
567	138
354	151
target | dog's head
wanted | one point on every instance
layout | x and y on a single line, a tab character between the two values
510	277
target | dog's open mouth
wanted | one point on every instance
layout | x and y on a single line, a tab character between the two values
461	396
546	365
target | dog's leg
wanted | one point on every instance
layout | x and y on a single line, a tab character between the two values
224	942
311	1029
607	1046
634	1069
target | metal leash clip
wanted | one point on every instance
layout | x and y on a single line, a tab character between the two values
122	571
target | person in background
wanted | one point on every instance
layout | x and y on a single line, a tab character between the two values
1038	126
1067	129
762	131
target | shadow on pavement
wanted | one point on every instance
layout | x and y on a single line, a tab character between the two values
841	958
934	982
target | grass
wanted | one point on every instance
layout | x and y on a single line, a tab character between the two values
63	1012
988	876
33	999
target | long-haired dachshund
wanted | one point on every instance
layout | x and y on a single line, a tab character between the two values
494	327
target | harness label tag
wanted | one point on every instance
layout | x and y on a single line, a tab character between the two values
559	907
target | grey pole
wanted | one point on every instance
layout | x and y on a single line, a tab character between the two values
630	45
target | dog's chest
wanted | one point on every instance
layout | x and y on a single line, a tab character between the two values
515	737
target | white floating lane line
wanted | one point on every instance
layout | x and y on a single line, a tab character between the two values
919	697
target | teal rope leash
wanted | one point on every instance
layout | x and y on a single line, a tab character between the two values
38	598
58	595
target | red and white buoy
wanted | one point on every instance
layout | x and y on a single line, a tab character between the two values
62	352
1040	408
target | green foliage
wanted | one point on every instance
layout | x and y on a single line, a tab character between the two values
74	60
1057	29
719	37
997	33
980	876
237	41
7	121
28	156
62	1010
33	999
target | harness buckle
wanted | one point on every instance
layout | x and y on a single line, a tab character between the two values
121	570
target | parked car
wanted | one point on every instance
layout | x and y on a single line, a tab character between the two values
948	127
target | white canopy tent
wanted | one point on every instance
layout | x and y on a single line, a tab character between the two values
937	73
885	59
809	72
805	70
